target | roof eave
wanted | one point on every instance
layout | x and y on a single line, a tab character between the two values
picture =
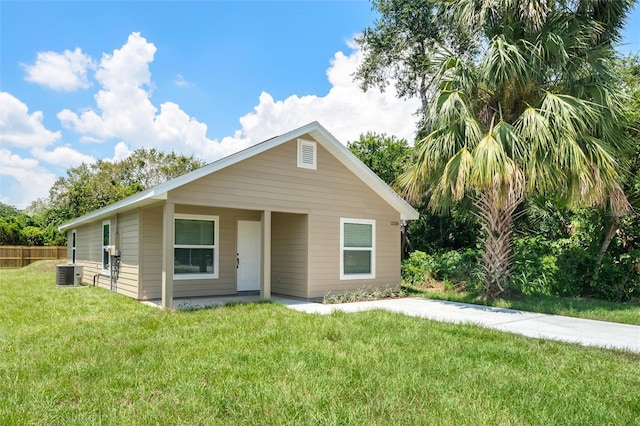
160	192
138	200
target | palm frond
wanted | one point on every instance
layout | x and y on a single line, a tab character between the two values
504	64
534	13
454	181
568	116
490	161
412	183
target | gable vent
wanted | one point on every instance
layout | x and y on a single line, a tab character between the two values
307	154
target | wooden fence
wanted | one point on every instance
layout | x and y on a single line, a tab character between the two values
19	256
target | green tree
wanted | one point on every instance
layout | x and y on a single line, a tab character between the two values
92	186
398	46
628	71
20	229
7	210
145	168
385	155
10	232
536	110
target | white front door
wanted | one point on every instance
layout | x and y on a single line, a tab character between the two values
249	255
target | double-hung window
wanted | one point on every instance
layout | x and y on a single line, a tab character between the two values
357	249
195	247
106	243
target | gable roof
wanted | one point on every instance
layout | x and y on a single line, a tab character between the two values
319	133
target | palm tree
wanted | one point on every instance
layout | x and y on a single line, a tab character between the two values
533	108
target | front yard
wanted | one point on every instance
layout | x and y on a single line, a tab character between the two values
88	356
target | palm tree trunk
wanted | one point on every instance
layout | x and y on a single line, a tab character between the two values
613	227
496	215
618	206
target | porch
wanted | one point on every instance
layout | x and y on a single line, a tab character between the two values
204	302
208	251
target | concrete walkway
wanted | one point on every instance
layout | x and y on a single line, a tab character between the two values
542	326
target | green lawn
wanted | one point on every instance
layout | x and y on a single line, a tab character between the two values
625	313
87	356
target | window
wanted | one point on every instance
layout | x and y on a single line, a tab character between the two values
357	249
307	154
106	243
195	247
73	246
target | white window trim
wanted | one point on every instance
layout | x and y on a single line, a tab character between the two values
106	247
74	244
314	145
214	247
372	275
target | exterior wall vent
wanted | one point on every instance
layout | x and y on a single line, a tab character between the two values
307	154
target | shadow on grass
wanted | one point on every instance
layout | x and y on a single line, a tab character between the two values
194	307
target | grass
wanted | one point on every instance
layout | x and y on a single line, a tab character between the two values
77	356
625	313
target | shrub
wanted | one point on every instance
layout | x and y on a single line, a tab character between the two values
364	294
565	267
575	266
619	278
417	268
452	266
535	266
456	266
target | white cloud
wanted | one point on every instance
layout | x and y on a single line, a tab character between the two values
62	156
121	151
64	72
124	109
90	139
345	111
181	82
123	102
33	181
21	129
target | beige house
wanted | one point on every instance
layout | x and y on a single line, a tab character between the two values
296	215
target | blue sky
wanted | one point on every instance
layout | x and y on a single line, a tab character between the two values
82	81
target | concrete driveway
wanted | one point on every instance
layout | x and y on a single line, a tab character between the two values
542	326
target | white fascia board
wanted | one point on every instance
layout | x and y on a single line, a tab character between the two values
137	200
326	139
160	191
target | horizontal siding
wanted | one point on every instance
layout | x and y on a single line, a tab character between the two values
289	254
152	253
124	234
151	265
89	243
272	181
127	282
70	246
325	251
127	235
89	252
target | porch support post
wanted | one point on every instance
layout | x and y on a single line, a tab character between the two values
265	282
167	254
